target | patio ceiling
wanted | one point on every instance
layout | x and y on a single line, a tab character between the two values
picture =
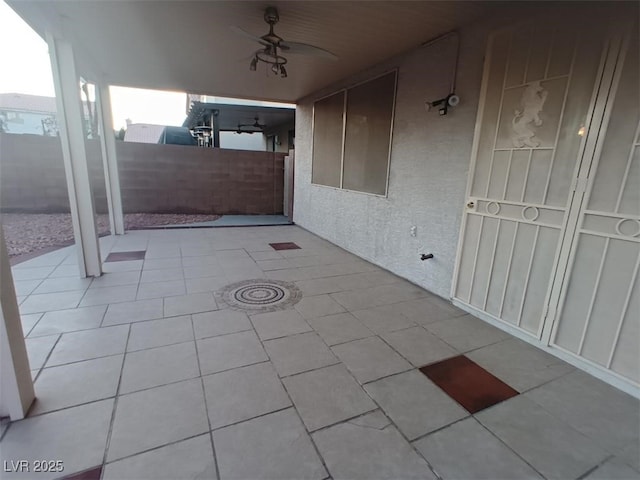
189	46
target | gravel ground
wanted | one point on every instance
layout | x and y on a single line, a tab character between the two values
30	232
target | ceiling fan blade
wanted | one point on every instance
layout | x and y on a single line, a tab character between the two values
250	36
297	48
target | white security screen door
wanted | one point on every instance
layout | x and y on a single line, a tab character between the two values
538	96
550	241
599	315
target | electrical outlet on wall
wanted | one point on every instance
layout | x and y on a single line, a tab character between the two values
413	231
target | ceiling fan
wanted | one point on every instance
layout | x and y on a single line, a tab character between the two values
258	126
273	46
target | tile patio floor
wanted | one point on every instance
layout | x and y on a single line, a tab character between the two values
146	373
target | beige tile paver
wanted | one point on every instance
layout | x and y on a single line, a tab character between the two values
191	367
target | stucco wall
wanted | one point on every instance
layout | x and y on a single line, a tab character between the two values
242	141
282	132
428	171
153	178
430	156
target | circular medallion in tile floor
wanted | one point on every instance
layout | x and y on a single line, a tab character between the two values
261	295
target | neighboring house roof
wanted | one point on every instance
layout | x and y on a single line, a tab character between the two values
27	103
143	133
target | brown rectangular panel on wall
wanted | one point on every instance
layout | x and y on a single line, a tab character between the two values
327	140
368	135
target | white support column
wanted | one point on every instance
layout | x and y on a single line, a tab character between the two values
70	125
16	386
109	159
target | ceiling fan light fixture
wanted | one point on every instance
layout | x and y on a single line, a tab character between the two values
270	57
273	46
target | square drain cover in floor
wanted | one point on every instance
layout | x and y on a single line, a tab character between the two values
468	383
284	246
125	256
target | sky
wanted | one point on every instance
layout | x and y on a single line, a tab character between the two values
33	76
28	70
19	74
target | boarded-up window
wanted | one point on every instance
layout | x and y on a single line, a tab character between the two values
361	163
327	140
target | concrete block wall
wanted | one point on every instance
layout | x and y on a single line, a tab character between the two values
173	178
32	176
153	178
